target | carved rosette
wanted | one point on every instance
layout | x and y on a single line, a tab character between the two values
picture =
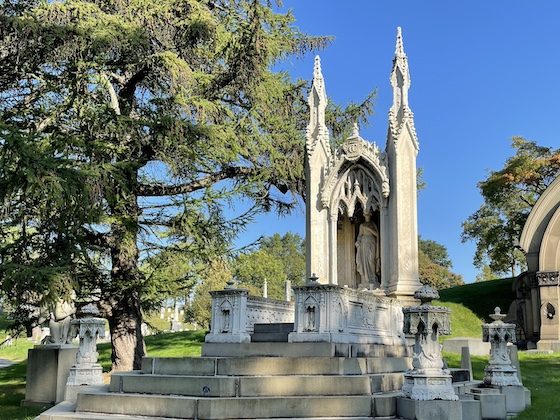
427	380
548	278
499	371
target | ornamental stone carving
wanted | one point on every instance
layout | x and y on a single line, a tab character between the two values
499	371
427	380
548	278
89	326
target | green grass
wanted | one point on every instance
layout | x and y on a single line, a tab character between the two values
12	378
481	298
464	322
179	344
539	373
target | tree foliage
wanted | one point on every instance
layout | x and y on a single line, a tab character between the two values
509	194
434	265
277	259
125	128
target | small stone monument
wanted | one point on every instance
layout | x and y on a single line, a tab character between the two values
427	387
427	380
86	370
500	371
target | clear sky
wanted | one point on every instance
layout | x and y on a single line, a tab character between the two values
482	72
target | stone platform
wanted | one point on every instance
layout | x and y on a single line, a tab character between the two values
261	380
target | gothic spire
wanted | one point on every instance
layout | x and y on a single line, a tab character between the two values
400	77
317	130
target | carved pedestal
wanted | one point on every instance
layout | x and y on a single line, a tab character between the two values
331	313
86	371
234	314
427	380
500	371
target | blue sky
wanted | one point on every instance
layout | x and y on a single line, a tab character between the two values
482	72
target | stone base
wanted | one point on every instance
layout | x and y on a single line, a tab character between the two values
228	338
428	410
492	402
516	398
47	372
501	375
423	387
85	375
314	337
71	393
546	345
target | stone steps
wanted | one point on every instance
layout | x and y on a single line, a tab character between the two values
256	386
236	408
270	366
319	349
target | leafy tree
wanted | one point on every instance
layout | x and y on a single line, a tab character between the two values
278	258
435	251
509	194
486	274
434	265
215	277
124	129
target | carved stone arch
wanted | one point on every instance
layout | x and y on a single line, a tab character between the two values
356	152
311	314
356	184
549	253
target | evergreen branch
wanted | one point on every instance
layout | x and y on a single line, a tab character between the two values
158	190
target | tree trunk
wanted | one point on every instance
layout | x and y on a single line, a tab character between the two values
126	334
125	317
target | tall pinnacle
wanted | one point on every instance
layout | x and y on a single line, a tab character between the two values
399	47
317	68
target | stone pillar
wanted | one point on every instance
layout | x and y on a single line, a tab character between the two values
288	290
499	371
86	370
265	289
229	316
427	380
549	337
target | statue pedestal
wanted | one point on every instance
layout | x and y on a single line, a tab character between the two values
48	368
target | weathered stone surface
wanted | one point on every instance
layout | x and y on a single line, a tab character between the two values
47	373
131	404
304	385
268	349
429	410
255	366
196	366
241	408
476	345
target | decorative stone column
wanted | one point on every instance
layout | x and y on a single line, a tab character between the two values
229	316
86	370
500	371
427	380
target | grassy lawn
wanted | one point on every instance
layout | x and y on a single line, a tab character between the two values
481	298
540	373
12	378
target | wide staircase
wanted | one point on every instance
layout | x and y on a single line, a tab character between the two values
257	380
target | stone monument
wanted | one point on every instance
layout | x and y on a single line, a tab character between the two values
48	364
86	370
362	228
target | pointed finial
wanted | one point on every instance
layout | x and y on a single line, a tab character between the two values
317	68
399	47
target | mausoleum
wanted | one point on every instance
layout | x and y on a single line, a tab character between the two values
538	289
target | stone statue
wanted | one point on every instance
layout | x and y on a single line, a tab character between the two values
60	322
367	253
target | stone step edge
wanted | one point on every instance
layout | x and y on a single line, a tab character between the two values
375	399
297	375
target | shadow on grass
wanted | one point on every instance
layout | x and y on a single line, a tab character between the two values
12	392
